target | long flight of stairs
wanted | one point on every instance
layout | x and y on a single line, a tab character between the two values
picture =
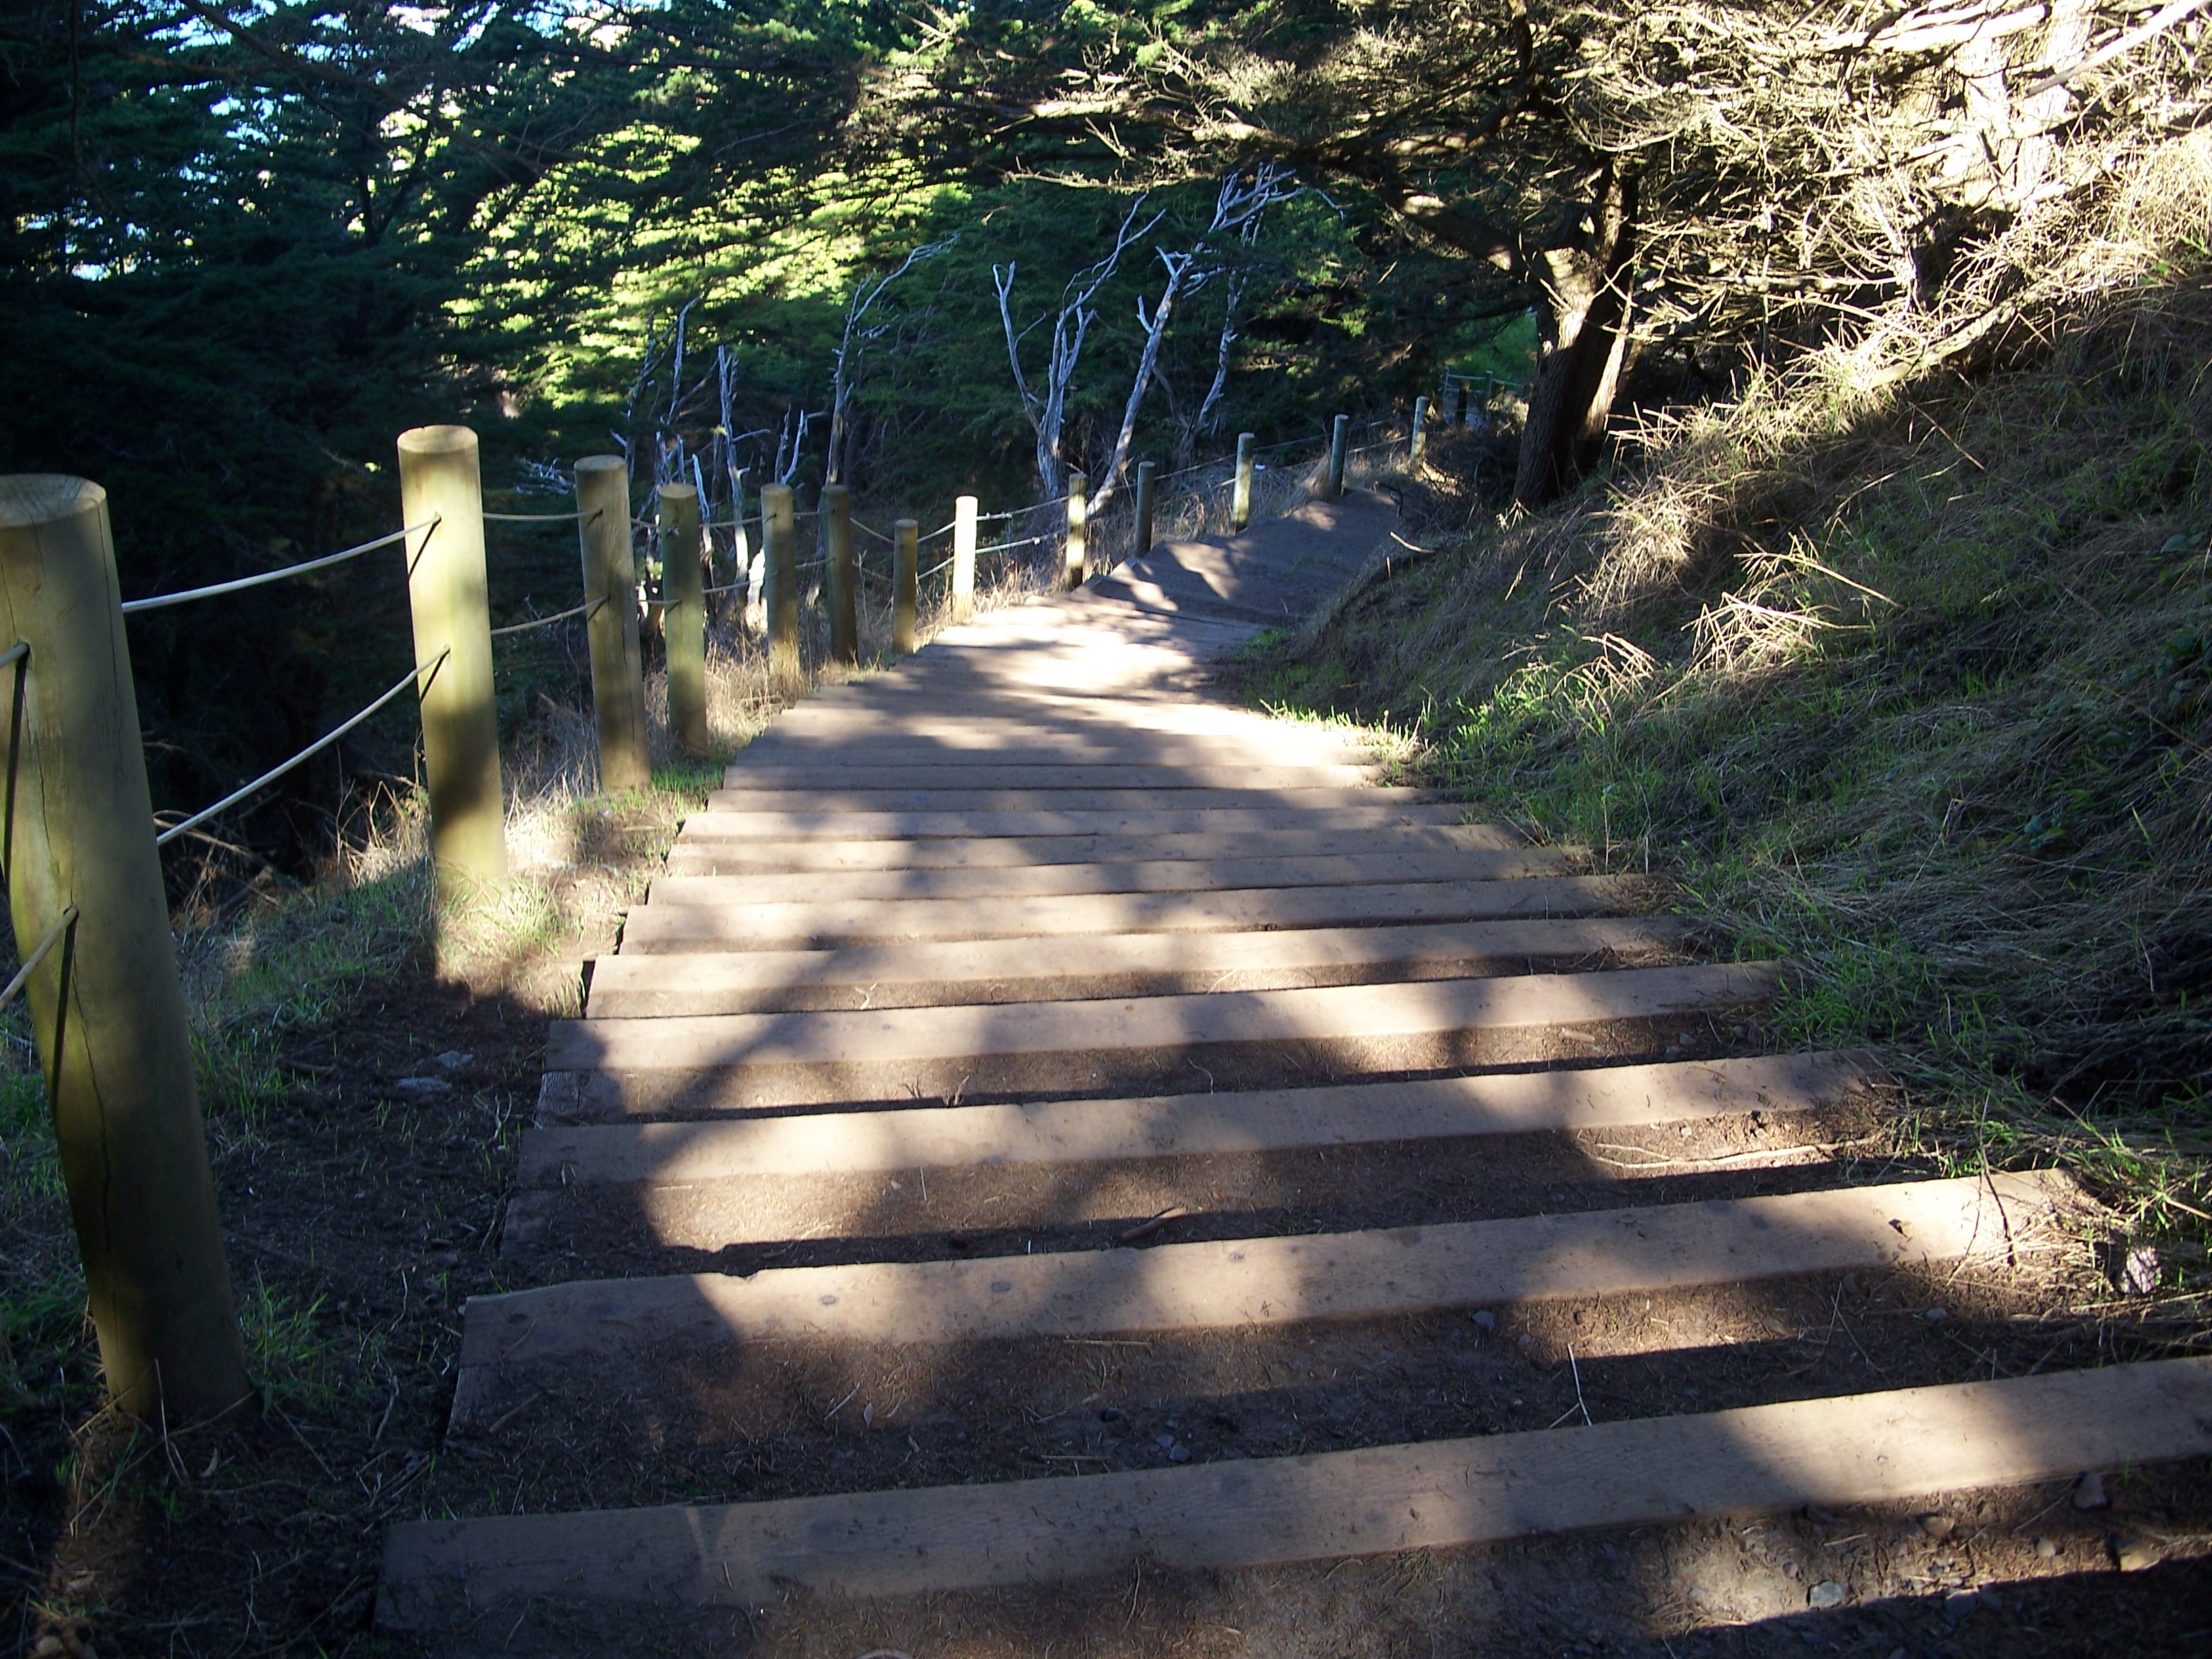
1045	1121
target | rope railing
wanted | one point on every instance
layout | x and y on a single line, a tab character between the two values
543	518
14	988
410	677
160	601
583	610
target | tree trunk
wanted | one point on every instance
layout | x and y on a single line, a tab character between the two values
1587	291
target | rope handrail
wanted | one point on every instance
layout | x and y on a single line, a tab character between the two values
158	601
13	989
412	676
886	540
544	518
945	564
583	610
940	530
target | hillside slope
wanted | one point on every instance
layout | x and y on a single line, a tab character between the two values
1904	681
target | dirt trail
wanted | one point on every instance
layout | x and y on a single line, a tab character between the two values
1062	1163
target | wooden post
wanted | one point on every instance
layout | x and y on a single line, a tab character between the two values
447	593
1145	470
780	541
964	558
684	615
1418	445
906	568
115	1048
1079	485
1339	453
837	553
612	624
1239	499
1459	402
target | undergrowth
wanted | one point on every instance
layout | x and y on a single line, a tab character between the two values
1910	687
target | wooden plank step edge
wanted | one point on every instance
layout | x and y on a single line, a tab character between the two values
660	984
832	921
876	852
686	882
1043	797
1254	1283
873	825
1173	1125
1860	1449
872	1037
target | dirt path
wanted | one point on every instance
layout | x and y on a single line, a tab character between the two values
1063	1165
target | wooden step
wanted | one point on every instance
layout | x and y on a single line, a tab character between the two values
1198	794
732	856
989	774
1014	748
822	823
1243	1283
737	1061
652	984
1863	1449
1183	1126
694	876
834	921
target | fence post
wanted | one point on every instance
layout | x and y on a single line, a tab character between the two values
1240	498
1339	451
837	552
964	558
1079	485
905	566
104	1003
684	615
1145	470
779	542
1418	444
452	610
1459	402
612	624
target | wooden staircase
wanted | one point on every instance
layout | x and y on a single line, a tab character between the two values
1055	1056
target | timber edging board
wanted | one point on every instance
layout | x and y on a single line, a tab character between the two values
1860	1449
1267	1280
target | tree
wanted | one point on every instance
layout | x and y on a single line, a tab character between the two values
1669	177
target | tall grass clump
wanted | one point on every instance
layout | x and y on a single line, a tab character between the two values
1900	665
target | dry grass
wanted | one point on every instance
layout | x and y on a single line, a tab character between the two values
1902	672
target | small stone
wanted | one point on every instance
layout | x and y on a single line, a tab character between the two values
1819	1517
1960	1604
1485	1319
2089	1493
1899	1653
1789	1570
48	1644
2133	1554
1937	1316
1850	1284
1164	1442
2047	1549
423	1086
1938	1526
2139	1272
453	1060
1112	1414
1825	1593
1178	1454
